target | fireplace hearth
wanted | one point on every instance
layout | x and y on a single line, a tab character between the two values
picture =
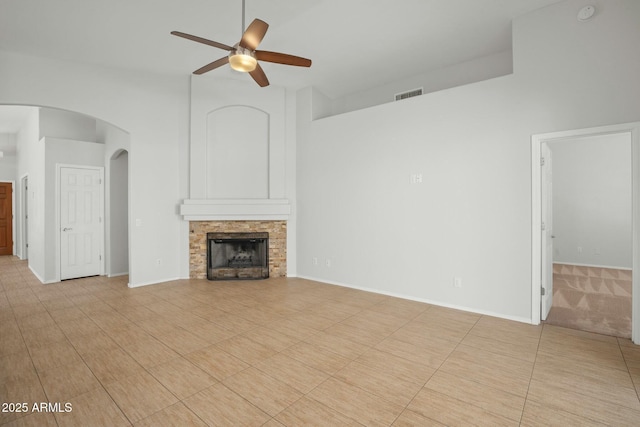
237	256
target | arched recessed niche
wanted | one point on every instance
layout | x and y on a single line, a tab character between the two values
237	146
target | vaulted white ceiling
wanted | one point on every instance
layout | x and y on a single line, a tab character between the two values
354	44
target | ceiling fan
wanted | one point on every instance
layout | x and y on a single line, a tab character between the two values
244	56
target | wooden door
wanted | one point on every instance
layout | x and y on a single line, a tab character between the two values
6	218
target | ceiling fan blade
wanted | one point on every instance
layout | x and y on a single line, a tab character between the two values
213	65
259	76
254	34
201	40
282	58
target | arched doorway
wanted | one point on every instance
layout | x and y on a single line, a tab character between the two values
118	213
36	226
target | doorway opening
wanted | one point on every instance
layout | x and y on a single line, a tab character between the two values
592	231
541	262
6	218
117	244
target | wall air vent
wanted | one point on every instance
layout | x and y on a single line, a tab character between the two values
409	94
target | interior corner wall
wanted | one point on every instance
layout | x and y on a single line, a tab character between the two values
361	205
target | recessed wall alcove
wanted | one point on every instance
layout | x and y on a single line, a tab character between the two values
237	156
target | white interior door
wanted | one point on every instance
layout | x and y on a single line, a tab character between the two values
547	232
81	225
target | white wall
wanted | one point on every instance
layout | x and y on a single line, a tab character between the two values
8	163
470	217
8	167
153	109
476	70
592	201
8	170
30	155
56	123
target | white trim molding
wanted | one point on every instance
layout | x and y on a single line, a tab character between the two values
235	209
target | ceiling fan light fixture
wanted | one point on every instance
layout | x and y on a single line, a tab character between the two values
242	60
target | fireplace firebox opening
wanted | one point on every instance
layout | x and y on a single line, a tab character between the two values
237	256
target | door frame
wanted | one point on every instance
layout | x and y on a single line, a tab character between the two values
546	234
59	167
536	215
24	219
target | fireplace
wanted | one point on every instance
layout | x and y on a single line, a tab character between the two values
198	244
237	256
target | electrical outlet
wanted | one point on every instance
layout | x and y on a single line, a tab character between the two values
457	282
158	262
315	260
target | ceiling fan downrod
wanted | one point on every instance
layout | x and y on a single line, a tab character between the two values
242	23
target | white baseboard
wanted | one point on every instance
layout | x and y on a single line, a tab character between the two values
118	274
593	265
426	301
137	285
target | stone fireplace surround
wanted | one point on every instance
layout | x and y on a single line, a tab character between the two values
198	230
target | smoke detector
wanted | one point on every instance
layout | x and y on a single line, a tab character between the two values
586	13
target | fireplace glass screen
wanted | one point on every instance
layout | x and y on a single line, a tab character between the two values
237	256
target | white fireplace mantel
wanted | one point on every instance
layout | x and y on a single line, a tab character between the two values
235	209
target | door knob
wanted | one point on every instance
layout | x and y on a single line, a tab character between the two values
67	229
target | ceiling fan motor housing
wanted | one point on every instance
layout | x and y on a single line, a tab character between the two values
242	59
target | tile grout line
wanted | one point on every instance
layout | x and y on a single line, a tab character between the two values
635	386
533	368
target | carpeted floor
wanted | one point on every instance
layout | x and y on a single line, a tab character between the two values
592	299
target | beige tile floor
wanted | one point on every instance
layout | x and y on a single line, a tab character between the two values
291	352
